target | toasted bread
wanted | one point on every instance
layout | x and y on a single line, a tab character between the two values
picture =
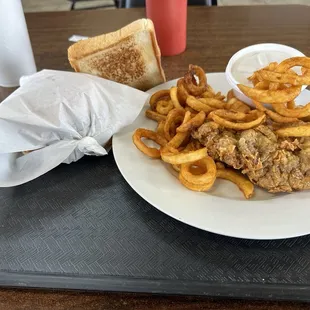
129	56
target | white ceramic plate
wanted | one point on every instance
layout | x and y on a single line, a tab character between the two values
222	210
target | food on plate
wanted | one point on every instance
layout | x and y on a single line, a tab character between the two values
160	128
272	162
164	106
235	104
209	136
151	135
190	82
178	158
220	165
289	63
180	137
129	56
219	96
284	78
243	183
198	105
201	181
174	97
234	115
174	119
214	102
238	126
194	122
298	113
291	104
296	131
275	116
182	92
155	116
160	95
271	96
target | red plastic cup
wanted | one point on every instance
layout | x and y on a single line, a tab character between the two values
169	18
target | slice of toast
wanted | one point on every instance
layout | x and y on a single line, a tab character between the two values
129	56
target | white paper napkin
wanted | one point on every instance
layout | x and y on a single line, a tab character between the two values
61	116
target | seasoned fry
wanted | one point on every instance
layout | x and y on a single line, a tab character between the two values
174	97
190	82
285	78
236	116
193	112
279	118
289	63
285	66
208	94
243	183
269	85
180	137
238	126
300	131
151	135
232	115
297	112
264	85
253	79
258	82
237	105
274	116
272	66
271	96
177	168
168	149
197	105
182	92
230	95
183	157
251	116
291	104
195	187
155	116
214	103
160	128
164	106
190	147
174	117
207	164
187	117
274	86
219	96
195	122
261	84
202	181
161	94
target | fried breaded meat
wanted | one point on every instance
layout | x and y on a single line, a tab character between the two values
276	164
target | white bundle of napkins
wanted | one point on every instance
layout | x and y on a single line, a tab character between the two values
60	117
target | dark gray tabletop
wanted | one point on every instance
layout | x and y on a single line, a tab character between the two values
81	226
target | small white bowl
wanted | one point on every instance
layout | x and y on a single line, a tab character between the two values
264	47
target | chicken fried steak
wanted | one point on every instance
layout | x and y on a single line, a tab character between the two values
276	164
